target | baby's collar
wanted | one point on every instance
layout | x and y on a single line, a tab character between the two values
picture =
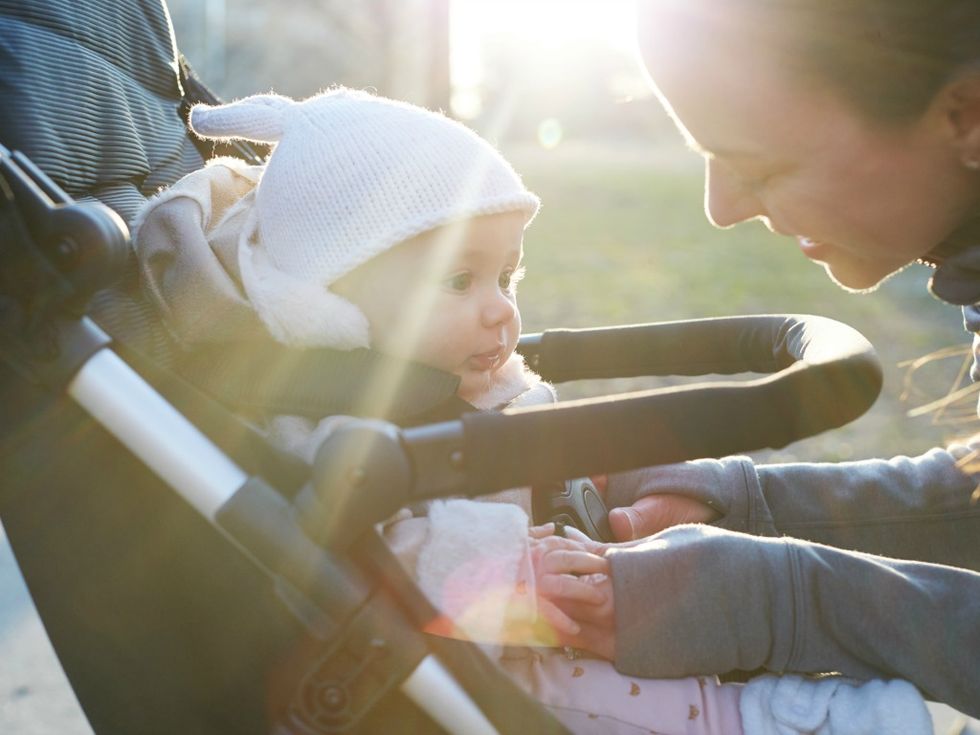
510	381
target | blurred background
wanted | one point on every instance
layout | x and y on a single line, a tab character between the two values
621	237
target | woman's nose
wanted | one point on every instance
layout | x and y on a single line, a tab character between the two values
726	200
499	308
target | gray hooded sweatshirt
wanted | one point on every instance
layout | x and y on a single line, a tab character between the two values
868	568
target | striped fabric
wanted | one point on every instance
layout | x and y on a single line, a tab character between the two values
161	626
90	92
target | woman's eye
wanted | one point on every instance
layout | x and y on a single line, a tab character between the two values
459	282
759	180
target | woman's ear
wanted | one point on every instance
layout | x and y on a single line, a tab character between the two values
961	108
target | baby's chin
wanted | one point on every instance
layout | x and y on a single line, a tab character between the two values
473	385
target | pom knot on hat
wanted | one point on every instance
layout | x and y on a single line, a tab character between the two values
351	176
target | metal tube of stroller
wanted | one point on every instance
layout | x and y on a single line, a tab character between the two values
156	432
436	692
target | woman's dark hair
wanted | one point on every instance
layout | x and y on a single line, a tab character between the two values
887	57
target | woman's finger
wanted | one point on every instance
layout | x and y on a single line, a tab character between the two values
601	483
654	513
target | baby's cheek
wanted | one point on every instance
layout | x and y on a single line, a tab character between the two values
431	350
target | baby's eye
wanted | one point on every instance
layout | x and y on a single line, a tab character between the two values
459	281
510	278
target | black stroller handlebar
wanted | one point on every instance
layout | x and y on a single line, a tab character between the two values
822	374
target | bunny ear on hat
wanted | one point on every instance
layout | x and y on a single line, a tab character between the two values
259	118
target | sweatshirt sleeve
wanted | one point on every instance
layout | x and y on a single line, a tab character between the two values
699	599
922	508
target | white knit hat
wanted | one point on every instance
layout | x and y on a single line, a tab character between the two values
351	175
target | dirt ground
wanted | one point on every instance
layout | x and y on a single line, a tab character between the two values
35	698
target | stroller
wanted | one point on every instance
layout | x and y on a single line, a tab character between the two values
175	558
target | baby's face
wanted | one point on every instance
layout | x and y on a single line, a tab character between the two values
447	298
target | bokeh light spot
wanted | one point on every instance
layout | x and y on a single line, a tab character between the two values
550	133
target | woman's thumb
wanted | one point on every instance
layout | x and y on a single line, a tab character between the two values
623	523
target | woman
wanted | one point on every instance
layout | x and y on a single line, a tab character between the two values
854	127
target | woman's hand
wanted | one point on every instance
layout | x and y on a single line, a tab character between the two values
654	513
652	499
596	622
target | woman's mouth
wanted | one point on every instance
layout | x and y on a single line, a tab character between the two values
814	249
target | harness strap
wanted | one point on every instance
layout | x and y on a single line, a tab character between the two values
263	378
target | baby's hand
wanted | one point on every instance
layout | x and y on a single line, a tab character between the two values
570	532
596	623
558	564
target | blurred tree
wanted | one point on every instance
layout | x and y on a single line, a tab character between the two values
398	47
589	89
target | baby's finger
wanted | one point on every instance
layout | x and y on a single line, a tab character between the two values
558	620
576	535
570	588
556	542
542	531
590	544
569	561
599	641
586	613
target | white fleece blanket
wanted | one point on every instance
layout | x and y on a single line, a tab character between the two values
472	565
792	704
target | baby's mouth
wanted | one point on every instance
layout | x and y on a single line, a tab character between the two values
484	361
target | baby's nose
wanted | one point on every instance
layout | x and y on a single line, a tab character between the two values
499	309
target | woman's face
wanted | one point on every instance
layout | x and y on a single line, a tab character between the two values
862	198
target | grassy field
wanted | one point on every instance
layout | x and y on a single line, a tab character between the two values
621	238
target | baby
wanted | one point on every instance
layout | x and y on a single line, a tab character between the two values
379	224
